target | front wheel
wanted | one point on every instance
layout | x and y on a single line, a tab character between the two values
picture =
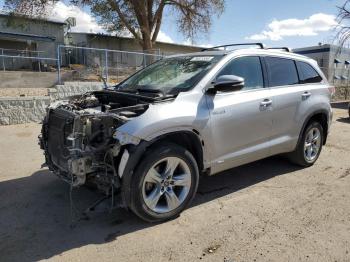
310	145
164	183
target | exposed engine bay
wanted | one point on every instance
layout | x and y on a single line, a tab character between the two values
80	140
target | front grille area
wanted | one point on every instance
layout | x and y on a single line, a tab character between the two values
60	125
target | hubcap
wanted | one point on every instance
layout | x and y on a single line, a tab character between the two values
166	184
312	144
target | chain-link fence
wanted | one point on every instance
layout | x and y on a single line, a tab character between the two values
90	64
73	63
76	63
339	77
25	60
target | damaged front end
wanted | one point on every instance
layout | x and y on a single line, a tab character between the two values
80	138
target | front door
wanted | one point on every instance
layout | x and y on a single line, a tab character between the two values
240	121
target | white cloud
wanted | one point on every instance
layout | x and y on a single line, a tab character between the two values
163	37
191	43
86	23
311	26
187	42
206	45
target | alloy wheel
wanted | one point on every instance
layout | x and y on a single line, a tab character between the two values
312	144
166	184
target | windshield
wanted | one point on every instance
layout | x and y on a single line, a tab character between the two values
170	75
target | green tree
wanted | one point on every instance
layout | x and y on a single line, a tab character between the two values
142	18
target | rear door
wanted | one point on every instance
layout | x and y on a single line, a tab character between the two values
290	91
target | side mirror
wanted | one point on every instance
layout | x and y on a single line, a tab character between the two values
227	83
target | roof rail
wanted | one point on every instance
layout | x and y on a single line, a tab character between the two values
261	45
287	49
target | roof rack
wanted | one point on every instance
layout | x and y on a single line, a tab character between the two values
287	49
261	45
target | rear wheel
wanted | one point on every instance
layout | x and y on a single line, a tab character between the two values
309	146
164	183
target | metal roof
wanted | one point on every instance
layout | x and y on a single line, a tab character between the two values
102	35
27	37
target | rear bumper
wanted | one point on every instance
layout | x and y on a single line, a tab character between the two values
330	119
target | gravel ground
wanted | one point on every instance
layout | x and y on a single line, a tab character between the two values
266	211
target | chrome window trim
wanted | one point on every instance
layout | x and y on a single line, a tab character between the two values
242	91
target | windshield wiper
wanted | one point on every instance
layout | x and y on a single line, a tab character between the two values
151	93
126	90
145	90
150	90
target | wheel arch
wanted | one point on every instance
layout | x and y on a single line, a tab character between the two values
321	116
190	140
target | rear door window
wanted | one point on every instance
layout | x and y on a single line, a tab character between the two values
281	71
307	73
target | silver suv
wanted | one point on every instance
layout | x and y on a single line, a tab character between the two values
149	138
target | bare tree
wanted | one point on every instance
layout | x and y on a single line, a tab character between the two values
343	34
32	8
142	18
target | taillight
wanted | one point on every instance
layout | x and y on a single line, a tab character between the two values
331	90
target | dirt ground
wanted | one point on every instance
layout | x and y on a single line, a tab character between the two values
266	211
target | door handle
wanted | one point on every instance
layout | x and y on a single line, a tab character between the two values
305	95
266	103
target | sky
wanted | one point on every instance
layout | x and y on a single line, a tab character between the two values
292	23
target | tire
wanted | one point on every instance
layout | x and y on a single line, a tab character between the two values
154	196
301	155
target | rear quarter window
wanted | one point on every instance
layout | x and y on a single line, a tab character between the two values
307	73
281	71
